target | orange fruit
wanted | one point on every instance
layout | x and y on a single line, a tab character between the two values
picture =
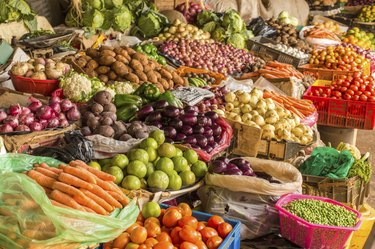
138	235
153	229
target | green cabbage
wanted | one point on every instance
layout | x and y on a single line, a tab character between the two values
219	34
122	19
233	22
109	4
237	40
149	24
206	16
96	4
93	18
209	27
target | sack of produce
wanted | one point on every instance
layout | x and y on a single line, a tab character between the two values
279	177
256	212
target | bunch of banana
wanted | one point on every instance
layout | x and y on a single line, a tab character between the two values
197	82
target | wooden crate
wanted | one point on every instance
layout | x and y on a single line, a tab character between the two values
167	4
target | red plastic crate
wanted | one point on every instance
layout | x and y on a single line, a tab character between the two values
343	113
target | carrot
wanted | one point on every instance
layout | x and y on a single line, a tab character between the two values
98	200
46	172
74	181
121	198
56	170
89	210
66	200
41	179
87	202
116	188
104	195
58	204
78	172
102	175
67	189
300	115
105	185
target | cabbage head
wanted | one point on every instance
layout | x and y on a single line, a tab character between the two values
93	18
122	19
206	16
96	4
8	14
149	24
233	22
237	40
209	27
109	4
219	34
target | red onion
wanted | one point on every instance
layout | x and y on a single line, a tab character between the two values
26	119
55	107
14	110
66	105
73	114
35	105
44	112
44	123
54	99
35	126
25	110
61	116
3	115
64	123
12	121
22	128
53	123
6	128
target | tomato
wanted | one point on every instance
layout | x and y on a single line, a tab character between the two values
132	227
132	246
151	242
350	92
367	93
214	242
188	220
347	96
337	94
175	235
143	246
138	235
316	93
362	88
208	232
153	229
189	234
343	89
185	209
171	217
163	245
201	225
355	97
163	236
363	97
216	220
121	240
371	99
224	229
151	219
354	88
200	244
188	245
327	91
166	229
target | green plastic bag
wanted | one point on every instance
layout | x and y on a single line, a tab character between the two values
29	220
328	162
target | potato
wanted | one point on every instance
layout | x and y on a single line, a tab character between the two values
118	50
92	64
110	108
151	64
158	75
122	59
106	60
140	57
119	128
97	108
103	70
130	50
92	52
104	47
81	62
170	84
146	68
91	72
93	122
120	68
160	86
103	78
86	57
132	78
141	75
177	79
136	65
107	52
105	130
106	121
165	74
151	76
103	98
112	75
164	83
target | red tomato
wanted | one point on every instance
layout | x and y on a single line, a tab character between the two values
200	244
201	225
345	84
224	229
188	220
163	236
367	93
189	234
216	220
337	94
363	97
185	209
163	245
355	97
362	88
188	245
214	242
171	217
354	88
208	232
371	99
343	89
175	235
347	96
350	92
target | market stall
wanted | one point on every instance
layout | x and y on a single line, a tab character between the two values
192	127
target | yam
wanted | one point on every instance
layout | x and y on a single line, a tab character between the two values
165	74
132	78
151	76
147	68
103	78
177	79
136	65
140	57
104	47
93	53
130	50
91	72
118	50
107	52
120	68
122	59
106	60
103	70
81	62
141	75
112	75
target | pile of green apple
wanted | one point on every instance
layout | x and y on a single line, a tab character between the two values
155	165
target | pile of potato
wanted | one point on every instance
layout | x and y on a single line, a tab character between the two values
125	64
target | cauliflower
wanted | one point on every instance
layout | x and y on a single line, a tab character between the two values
122	87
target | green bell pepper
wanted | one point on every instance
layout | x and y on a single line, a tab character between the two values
140	89
151	92
148	48
126	112
139	48
124	99
161	60
171	99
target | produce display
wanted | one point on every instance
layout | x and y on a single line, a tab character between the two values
360	2
40	69
125	64
80	187
288	50
190	10
361	38
367	14
285	18
184	230
215	104
321	33
151	51
322	213
330	25
276	70
216	56
37	116
211	77
361	168
276	122
237	166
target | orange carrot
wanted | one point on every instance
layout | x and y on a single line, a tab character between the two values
89	210
98	200
74	181
56	170
78	172
87	202
41	179
124	200
104	195
47	172
66	200
47	190
58	204
102	175
67	189
105	185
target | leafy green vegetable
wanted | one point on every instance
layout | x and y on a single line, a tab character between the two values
109	4
233	22
206	16
219	34
149	24
237	40
18	10
209	27
122	19
93	18
361	168
96	4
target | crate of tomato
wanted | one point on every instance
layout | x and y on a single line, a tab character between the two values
347	102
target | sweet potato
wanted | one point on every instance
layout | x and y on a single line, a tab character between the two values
92	64
165	74
132	78
161	87
130	50
136	65
112	75
118	50
103	78
120	68
93	53
177	79
107	52
105	47
151	76
147	68
164	83
81	62
122	59
141	75
91	72
158	75
103	70
140	57
106	60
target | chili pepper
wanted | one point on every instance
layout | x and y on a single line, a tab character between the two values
161	60
124	99
126	112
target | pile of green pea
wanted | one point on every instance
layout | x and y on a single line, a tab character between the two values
322	213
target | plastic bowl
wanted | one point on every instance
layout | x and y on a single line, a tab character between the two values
29	85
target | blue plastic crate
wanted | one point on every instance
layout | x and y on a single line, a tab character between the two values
233	240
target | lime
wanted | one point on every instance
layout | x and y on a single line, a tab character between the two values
180	163
165	164
131	183
179	152
175	182
137	168
143	183
158	179
95	165
187	177
152	154
116	172
120	160
167	150
150	169
158	135
105	162
149	143
106	168
191	156
151	209
199	169
138	154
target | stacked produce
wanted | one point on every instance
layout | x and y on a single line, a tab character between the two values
80	187
277	70
360	2
215	56
330	25
367	14
183	230
37	116
366	53
211	77
237	166
125	64
40	69
230	28
255	110
338	58
180	31
190	10
361	38
214	104
288	50
321	33
151	51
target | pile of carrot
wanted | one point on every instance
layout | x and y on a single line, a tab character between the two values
301	107
278	70
80	187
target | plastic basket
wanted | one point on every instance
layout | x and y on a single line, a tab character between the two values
256	44
343	113
232	241
308	235
29	85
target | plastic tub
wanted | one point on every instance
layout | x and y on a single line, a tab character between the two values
29	85
308	235
360	237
